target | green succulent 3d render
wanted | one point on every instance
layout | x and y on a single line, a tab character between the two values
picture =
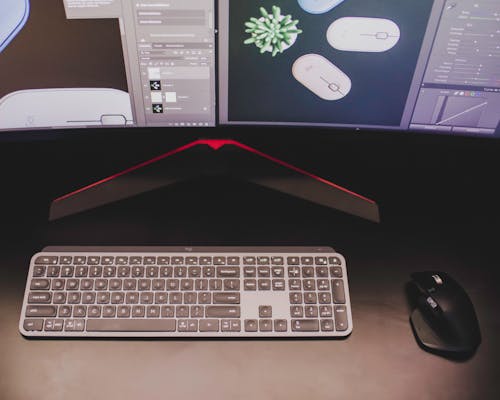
272	32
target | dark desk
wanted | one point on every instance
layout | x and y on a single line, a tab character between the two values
380	360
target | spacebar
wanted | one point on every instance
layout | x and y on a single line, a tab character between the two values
130	325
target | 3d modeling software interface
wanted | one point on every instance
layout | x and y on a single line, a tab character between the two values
431	65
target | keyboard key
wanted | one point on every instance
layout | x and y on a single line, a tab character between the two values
327	325
95	271
279	284
324	298
215	284
205	298
64	311
58	284
39	270
197	311
233	261
338	291
250	284
41	311
46	260
277	260
310	298
322	272
297	311
226	298
293	260
191	260
265	325
231	284
250	272
153	312
295	284
336	272
182	311
53	271
219	260
209	325
321	260
163	260
341	318
228	272
308	272
39	297
334	260
278	272
65	260
307	260
305	325
280	325
54	325
109	311
222	312
208	272
194	272
249	260
264	284
296	298
59	298
124	311
74	325
32	325
205	260
80	311
311	311
40	284
138	312
167	311
67	271
131	325
251	325
323	284
309	284
93	311
265	311
325	311
264	272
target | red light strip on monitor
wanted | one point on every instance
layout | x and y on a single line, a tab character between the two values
215	144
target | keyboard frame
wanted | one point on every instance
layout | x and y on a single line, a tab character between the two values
198	251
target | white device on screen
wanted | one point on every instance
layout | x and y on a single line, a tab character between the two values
321	77
319	6
373	35
47	108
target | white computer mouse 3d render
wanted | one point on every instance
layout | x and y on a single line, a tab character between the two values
321	77
373	35
319	6
47	108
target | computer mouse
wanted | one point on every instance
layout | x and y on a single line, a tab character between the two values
319	6
72	107
321	77
13	16
444	320
373	35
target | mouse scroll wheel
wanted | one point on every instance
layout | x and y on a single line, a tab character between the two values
382	35
334	87
437	279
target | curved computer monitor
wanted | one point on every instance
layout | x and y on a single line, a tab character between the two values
403	65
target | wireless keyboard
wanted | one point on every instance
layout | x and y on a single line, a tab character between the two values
187	292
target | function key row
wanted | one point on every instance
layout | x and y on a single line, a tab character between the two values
179	260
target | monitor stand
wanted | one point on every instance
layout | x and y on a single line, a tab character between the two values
209	157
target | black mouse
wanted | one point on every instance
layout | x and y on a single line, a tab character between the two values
444	320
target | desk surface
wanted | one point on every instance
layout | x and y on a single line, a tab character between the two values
380	360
